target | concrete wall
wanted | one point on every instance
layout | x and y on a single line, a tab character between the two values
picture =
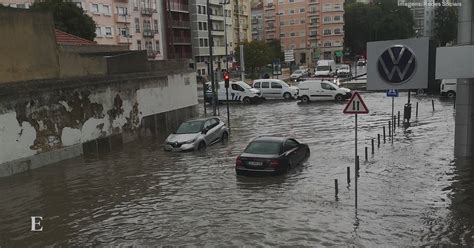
28	46
75	65
43	122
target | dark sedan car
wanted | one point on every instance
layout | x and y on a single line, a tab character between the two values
271	155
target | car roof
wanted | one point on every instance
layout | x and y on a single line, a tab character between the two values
278	139
203	119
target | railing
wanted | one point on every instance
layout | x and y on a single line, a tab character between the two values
179	7
147	11
122	18
148	33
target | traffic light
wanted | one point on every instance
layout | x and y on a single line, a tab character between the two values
226	79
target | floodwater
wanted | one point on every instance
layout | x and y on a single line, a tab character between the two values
410	193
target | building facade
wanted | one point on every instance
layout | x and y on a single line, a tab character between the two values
424	20
221	34
177	26
331	29
242	21
258	23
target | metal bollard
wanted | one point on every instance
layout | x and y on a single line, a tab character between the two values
378	140
417	110
394	121
335	185
366	154
389	129
372	142
357	165
398	118
348	175
432	104
384	140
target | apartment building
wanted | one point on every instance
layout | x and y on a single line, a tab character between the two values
331	29
221	33
177	25
133	23
258	22
242	20
424	20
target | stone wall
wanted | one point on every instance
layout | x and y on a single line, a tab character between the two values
42	122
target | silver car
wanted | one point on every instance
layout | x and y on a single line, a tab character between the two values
197	134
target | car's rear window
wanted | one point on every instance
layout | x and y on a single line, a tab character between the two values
189	127
263	147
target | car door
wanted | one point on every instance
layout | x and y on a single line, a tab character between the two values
265	89
276	89
291	148
213	128
235	92
208	134
327	91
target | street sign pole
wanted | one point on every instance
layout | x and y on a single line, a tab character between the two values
355	159
391	117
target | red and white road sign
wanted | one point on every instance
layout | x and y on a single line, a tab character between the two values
356	105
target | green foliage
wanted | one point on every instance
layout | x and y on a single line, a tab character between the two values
68	18
380	20
446	25
257	54
275	46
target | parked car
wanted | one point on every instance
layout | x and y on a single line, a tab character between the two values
275	88
299	74
197	134
271	155
311	90
343	70
361	62
239	91
448	88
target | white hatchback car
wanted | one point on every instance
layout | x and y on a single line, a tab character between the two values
322	90
275	88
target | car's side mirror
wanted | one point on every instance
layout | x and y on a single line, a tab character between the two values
204	131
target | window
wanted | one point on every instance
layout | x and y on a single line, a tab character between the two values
237	87
122	11
105	9
337	31
337	18
292	22
139	45
135	4
290	144
302	21
292	11
301	10
326	86
265	85
256	85
94	8
137	25
337	7
327	44
155	25
123	32
292	34
327	19
276	85
282	34
157	46
108	31
327	7
282	23
302	33
98	32
327	32
314	20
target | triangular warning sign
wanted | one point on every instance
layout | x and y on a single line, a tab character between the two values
356	105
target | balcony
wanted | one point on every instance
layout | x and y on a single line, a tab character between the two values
269	17
217	31
181	24
147	11
313	24
312	13
270	6
182	40
121	1
311	2
148	33
122	18
217	17
178	7
124	40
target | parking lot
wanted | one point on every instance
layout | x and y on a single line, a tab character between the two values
145	196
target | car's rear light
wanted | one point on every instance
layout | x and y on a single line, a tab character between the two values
238	162
275	163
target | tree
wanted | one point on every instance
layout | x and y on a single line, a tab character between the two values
256	54
379	20
68	18
446	25
275	46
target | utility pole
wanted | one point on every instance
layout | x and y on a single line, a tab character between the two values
224	3
211	61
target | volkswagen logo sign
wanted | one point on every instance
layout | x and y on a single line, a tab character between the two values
397	64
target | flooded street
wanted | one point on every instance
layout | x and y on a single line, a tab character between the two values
410	193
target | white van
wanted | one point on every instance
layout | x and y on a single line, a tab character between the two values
448	88
325	68
275	88
239	91
320	90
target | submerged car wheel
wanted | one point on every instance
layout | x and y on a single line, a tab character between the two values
202	146
225	137
305	99
339	98
246	100
287	96
451	94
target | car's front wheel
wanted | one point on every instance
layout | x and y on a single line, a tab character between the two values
451	94
339	98
202	146
246	100
287	96
304	99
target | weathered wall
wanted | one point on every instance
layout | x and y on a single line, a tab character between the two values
50	121
28	46
76	65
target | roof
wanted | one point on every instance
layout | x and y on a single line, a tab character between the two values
64	38
271	138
